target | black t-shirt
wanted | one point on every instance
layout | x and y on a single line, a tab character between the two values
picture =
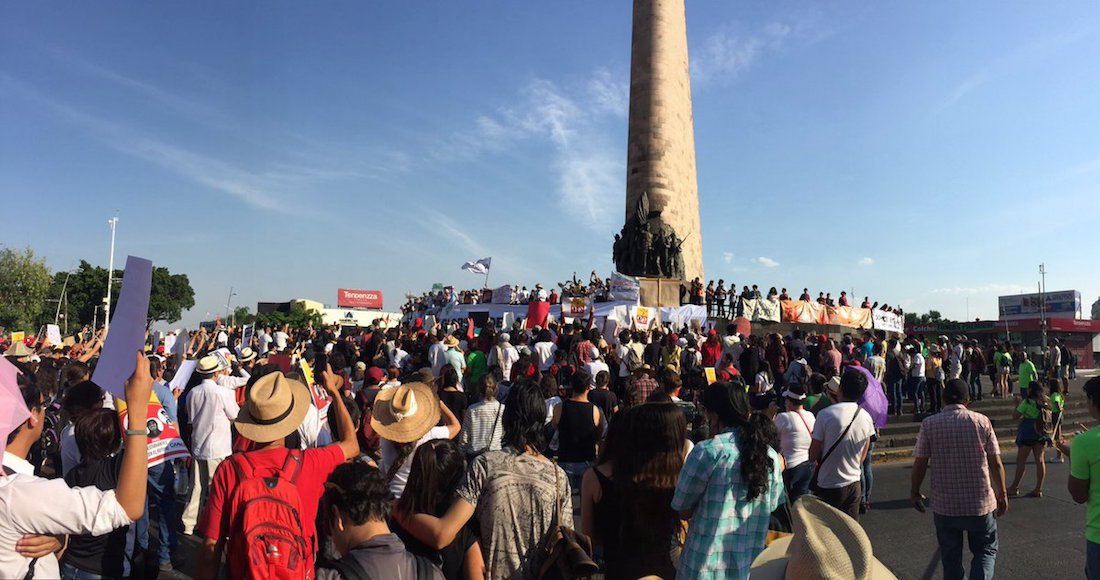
605	400
456	401
103	555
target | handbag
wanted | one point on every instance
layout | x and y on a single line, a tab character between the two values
473	454
567	553
814	487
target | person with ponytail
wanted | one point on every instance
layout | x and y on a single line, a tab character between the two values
729	486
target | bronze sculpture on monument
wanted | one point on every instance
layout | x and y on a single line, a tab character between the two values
647	246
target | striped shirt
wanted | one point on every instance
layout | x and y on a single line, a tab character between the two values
481	427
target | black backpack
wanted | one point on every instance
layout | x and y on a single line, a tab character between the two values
349	568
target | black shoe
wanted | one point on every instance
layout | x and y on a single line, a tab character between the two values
864	507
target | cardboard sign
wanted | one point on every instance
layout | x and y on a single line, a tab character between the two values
307	372
180	345
127	335
624	288
576	307
157	337
641	316
537	313
183	375
18	336
169	343
165	443
53	334
712	376
246	336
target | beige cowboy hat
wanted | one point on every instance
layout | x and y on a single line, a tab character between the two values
644	368
18	350
827	543
247	354
405	413
209	365
450	342
275	408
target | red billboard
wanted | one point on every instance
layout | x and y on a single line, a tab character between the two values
346	298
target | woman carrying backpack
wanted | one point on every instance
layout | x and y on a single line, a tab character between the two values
1057	406
1032	436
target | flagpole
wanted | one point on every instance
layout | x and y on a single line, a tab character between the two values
486	278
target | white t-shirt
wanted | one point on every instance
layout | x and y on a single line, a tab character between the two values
545	351
794	436
264	342
389	455
594	368
280	339
843	466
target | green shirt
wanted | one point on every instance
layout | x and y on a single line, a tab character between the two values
1057	402
476	368
1084	464
1028	409
1027	375
811	400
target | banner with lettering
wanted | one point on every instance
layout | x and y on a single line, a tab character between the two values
888	321
762	310
850	316
503	295
576	307
804	312
642	316
624	288
165	443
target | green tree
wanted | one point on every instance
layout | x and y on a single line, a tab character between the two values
242	316
24	287
298	317
169	296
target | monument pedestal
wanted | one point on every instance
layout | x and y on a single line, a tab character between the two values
659	291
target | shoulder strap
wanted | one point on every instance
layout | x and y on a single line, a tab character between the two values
294	456
808	430
839	439
349	568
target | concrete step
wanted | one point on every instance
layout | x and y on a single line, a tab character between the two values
1000	418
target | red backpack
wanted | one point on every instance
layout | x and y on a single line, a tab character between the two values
267	541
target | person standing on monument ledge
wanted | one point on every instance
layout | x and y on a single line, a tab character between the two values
710	298
720	298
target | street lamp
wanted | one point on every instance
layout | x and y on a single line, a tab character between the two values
227	300
1043	303
110	276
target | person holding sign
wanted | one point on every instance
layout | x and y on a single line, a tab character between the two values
35	506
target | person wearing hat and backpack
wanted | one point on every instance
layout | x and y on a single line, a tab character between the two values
263	503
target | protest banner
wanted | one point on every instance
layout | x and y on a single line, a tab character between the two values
537	313
17	336
53	334
576	307
246	335
503	295
642	316
712	375
804	312
888	321
283	361
179	345
183	374
850	316
165	443
762	310
127	335
624	288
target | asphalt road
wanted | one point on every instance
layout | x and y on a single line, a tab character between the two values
1038	538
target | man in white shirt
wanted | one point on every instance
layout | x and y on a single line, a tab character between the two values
841	440
212	409
435	354
917	381
281	338
595	365
31	507
264	341
225	378
503	355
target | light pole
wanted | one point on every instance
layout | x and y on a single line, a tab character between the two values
110	277
1043	302
227	300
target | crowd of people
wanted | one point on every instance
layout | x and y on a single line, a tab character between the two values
465	452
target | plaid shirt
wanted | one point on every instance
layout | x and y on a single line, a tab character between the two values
645	385
727	531
958	443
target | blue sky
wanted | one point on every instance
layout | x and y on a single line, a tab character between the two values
926	154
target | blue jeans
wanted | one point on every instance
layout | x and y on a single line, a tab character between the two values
917	387
866	476
72	573
162	489
1092	560
797	480
575	470
897	395
981	533
975	386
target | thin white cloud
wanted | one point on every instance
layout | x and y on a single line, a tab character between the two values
999	289
866	261
727	257
765	261
726	54
609	94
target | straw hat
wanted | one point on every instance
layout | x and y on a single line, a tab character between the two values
275	408
405	413
826	544
18	350
209	365
450	342
247	354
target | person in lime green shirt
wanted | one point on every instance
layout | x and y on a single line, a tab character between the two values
1032	438
1057	405
1084	478
1027	374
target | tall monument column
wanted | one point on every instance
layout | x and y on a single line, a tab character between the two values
661	136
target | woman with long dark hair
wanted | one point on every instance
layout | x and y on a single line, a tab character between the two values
1035	414
729	486
517	494
626	499
437	468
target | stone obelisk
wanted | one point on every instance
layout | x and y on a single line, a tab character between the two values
660	156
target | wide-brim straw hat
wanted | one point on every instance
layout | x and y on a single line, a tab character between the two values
405	413
247	354
275	408
209	365
450	342
827	543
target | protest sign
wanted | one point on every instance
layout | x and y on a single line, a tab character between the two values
537	313
53	334
17	336
169	343
246	338
641	316
157	336
283	361
576	307
712	376
223	355
888	321
761	310
165	443
503	295
804	312
183	374
127	334
182	338
850	316
624	288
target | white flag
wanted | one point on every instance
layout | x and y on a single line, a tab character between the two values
479	267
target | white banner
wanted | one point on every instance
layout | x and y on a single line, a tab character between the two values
624	287
53	334
643	316
576	307
503	295
888	321
762	309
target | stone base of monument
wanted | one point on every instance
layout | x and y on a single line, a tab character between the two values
659	291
